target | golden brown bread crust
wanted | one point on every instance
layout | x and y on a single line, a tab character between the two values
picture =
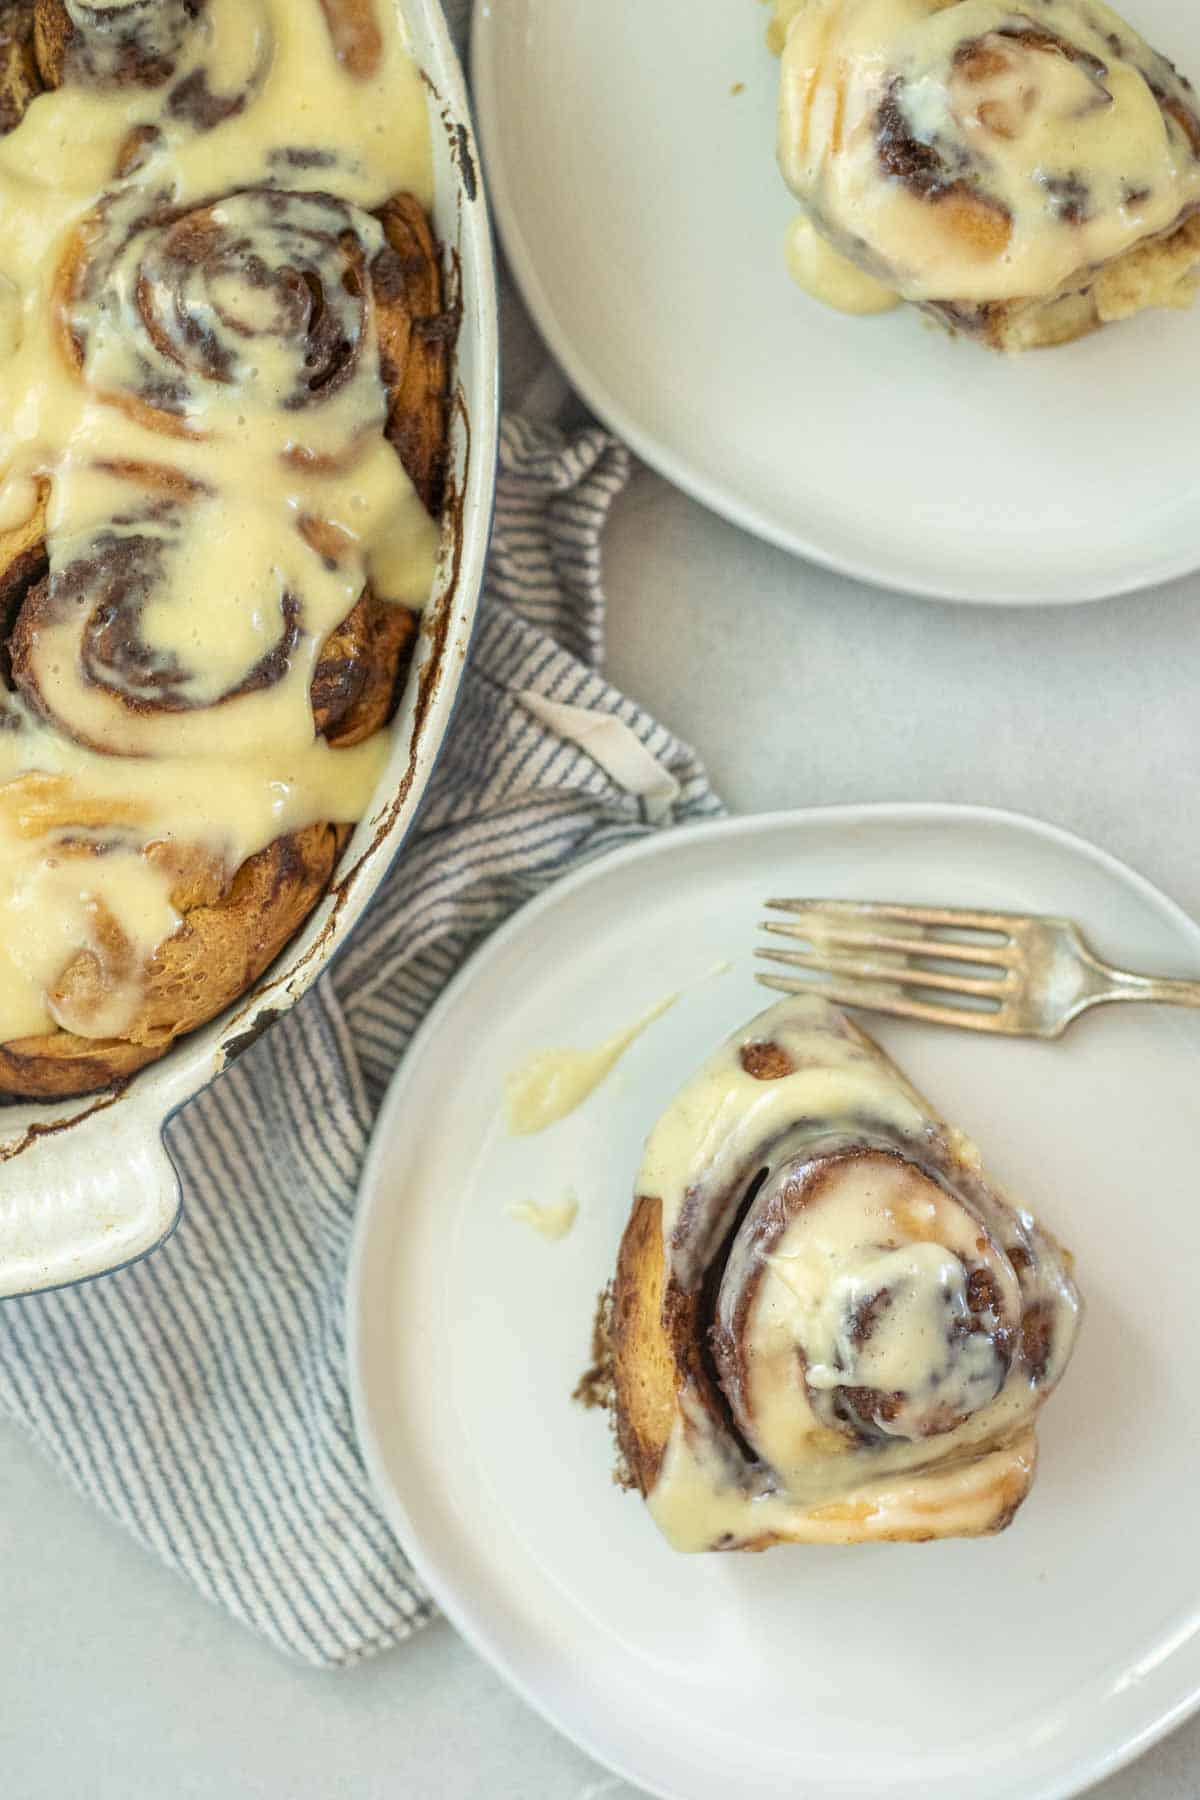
657	1340
52	35
219	951
414	347
1158	272
20	80
645	1375
23	563
1152	274
234	927
354	689
355	34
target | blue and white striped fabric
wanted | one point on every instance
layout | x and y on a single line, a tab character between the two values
200	1397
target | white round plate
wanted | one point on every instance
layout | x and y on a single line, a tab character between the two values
1022	1667
643	215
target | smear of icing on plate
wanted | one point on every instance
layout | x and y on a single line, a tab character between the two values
552	1083
552	1222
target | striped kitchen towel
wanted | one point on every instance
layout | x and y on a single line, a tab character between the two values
200	1397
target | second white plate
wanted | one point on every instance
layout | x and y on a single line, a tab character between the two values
643	215
1022	1667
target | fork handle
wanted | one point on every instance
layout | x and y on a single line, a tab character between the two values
1119	984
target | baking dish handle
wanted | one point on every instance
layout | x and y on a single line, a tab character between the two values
82	1197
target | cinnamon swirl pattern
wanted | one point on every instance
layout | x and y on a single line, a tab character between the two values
223	361
1024	173
827	1326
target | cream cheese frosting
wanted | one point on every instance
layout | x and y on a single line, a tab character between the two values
883	1325
977	152
165	251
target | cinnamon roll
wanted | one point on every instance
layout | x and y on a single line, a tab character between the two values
223	373
107	43
1023	173
175	50
827	1325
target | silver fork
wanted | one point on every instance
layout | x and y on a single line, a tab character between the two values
1015	973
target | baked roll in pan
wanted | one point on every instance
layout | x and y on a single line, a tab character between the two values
212	526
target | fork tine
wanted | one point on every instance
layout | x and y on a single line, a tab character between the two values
861	969
952	918
877	997
944	949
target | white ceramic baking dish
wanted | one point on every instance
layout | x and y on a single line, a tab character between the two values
87	1186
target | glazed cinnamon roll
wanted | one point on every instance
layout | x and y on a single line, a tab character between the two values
223	374
104	43
175	52
1023	173
827	1326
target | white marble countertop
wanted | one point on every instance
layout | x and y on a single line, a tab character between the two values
118	1683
